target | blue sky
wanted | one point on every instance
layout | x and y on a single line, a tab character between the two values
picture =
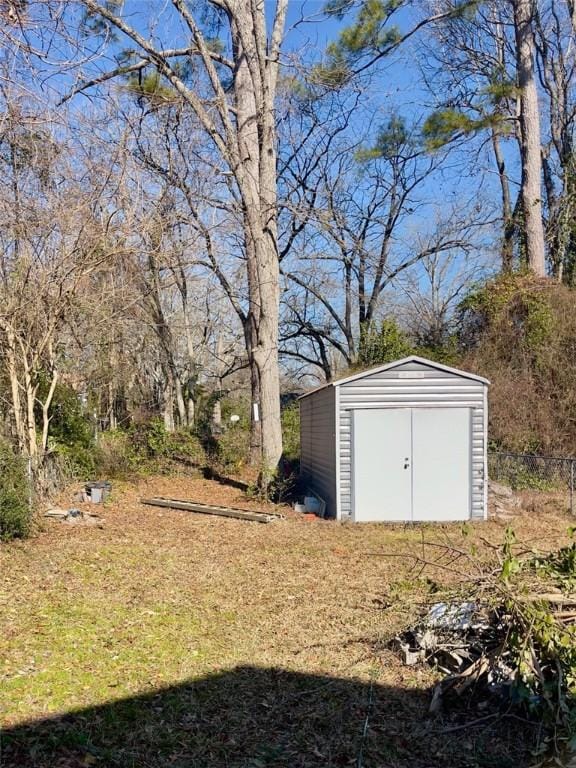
395	87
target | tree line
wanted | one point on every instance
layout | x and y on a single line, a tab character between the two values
234	193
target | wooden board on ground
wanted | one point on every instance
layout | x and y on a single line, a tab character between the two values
210	509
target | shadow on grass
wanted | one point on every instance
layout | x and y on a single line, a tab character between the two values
209	473
266	718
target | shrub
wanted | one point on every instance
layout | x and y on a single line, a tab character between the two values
15	512
522	478
154	442
150	439
145	447
520	333
232	448
70	424
225	448
380	346
512	304
115	456
447	353
291	432
185	445
71	432
78	461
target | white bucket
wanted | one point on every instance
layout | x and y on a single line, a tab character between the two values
96	495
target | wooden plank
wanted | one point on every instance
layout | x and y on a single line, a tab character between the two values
210	509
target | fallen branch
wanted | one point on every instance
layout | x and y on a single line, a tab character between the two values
470	724
549	597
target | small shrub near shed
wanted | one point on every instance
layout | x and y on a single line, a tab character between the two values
291	431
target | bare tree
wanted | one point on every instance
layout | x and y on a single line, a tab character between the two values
427	301
199	222
556	61
531	184
51	242
478	45
240	123
361	239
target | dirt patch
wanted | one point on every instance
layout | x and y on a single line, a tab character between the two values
191	640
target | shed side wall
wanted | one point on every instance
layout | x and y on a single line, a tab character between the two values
414	385
318	445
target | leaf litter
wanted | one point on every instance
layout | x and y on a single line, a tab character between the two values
259	644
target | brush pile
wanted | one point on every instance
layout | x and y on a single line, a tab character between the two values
466	642
505	643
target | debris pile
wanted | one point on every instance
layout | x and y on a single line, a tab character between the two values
74	516
465	641
506	642
311	506
502	501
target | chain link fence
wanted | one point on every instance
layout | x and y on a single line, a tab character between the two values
539	473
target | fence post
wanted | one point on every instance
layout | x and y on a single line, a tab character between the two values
572	486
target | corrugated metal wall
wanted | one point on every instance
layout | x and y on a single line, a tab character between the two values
318	444
412	385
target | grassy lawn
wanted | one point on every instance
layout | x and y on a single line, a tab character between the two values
172	639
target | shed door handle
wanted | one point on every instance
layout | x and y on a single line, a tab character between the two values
406	463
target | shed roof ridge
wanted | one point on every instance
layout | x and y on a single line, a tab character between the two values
397	364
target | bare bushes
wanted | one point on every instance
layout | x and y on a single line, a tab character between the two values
520	332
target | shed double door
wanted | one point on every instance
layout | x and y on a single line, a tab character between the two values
411	464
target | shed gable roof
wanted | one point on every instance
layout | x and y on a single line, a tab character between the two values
398	364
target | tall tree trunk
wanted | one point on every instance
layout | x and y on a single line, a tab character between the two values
530	137
113	363
561	210
217	409
180	403
190	351
10	352
257	181
348	299
255	452
247	144
508	214
173	386
190	407
507	248
30	392
112	419
46	406
168	402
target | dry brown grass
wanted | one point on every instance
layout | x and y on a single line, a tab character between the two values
181	639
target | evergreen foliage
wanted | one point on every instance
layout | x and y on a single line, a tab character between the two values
383	345
15	512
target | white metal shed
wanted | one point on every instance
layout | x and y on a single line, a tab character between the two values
402	442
